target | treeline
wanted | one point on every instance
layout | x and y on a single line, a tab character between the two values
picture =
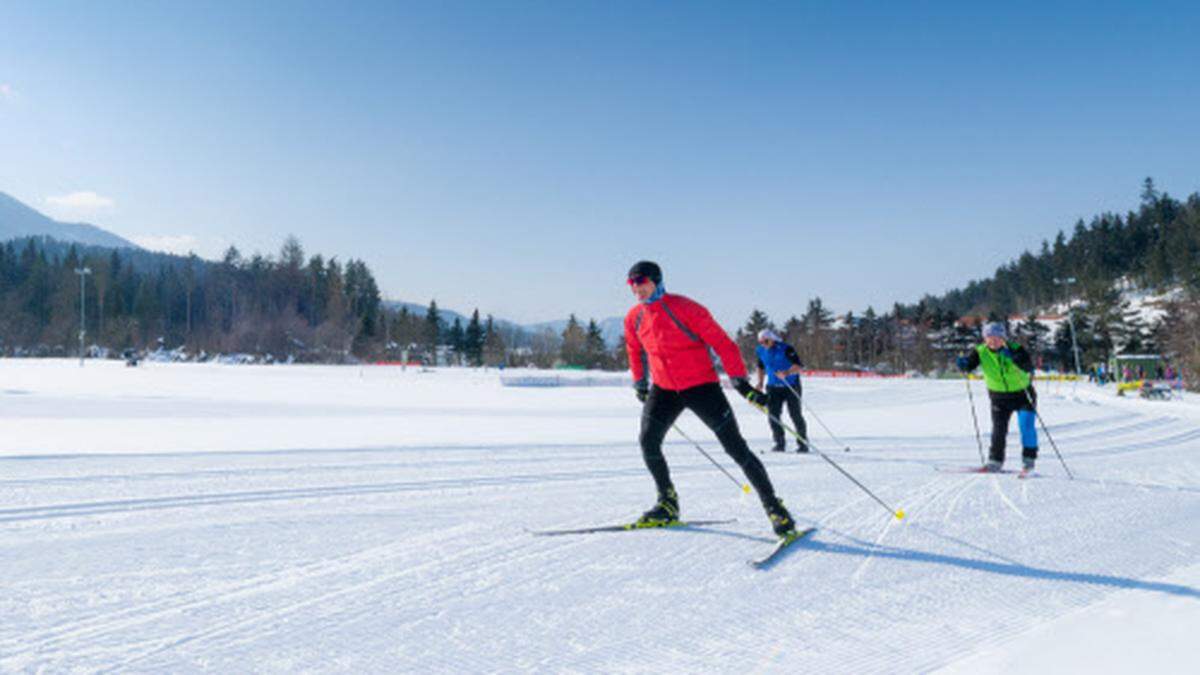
296	307
926	341
892	342
487	343
428	339
291	306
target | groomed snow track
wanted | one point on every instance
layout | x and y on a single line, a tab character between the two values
350	555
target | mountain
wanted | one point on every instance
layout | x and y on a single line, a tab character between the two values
611	328
448	315
19	220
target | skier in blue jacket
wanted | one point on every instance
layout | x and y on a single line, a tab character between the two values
781	366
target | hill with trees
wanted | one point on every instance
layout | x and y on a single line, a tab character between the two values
1091	275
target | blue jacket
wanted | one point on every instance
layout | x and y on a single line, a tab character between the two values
780	356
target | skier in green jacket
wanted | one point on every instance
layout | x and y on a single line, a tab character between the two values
1008	373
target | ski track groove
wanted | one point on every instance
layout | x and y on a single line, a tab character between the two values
995	480
277	613
80	509
138	616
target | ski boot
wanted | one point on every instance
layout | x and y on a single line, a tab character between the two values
991	467
665	512
802	447
781	520
1028	463
778	447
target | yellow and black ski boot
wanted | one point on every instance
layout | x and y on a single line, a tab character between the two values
781	520
664	513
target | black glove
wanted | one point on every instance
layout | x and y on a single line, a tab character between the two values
749	393
963	364
642	390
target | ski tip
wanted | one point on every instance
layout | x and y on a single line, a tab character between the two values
782	545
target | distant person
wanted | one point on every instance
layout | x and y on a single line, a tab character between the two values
671	335
1008	373
781	366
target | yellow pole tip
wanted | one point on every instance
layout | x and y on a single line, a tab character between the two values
900	514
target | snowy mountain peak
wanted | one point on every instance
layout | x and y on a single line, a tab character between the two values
20	220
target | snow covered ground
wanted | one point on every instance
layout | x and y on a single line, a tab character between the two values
184	517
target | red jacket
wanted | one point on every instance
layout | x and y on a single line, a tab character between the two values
673	334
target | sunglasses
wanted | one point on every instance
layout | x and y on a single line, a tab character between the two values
638	280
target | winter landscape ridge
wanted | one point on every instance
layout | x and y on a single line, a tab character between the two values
202	517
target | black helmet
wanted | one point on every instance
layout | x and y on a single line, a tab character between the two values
645	268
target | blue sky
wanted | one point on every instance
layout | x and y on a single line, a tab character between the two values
519	156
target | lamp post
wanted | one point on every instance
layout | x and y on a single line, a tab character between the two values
83	272
1071	322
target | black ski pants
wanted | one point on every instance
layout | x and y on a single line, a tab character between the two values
708	401
776	398
1003	407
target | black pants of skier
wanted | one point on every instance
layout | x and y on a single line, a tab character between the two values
776	398
708	401
1003	407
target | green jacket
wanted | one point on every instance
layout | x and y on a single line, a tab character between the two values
1003	374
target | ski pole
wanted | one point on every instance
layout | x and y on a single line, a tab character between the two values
974	418
898	513
743	486
814	415
1046	431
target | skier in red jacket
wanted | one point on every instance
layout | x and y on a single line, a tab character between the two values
670	335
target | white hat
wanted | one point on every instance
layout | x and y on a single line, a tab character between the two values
767	333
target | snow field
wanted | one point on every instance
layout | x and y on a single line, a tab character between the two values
196	517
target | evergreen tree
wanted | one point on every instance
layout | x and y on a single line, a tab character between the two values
474	340
494	351
1149	193
594	348
747	337
434	326
816	346
1032	333
456	339
574	344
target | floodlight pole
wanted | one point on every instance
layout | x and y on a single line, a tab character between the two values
1071	322
83	272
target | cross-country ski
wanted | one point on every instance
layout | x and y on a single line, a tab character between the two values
784	544
630	527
